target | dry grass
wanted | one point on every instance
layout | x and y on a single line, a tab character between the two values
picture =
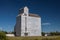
35	38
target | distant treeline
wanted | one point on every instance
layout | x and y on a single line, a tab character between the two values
43	33
8	32
51	33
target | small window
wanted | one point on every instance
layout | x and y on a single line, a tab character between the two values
26	34
25	14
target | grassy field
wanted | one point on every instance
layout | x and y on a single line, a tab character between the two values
35	38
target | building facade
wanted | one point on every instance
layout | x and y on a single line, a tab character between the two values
27	24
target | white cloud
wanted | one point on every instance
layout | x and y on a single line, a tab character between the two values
46	23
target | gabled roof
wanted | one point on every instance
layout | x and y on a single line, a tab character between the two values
34	15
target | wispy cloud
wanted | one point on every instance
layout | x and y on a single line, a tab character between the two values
46	23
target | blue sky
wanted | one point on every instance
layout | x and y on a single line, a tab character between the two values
49	10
